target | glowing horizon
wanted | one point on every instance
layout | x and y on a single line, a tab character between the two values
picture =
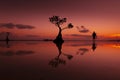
99	16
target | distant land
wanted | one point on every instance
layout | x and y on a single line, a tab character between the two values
65	40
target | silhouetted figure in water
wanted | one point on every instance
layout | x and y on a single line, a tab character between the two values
94	46
94	35
58	22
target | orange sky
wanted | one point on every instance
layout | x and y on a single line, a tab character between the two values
100	16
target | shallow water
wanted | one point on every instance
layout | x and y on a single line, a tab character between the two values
72	60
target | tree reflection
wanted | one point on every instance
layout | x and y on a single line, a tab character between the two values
58	60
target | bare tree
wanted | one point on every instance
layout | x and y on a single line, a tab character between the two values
58	22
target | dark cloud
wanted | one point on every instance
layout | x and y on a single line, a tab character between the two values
21	26
7	25
82	29
32	36
18	26
21	52
78	35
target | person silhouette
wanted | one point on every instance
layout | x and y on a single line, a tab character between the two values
94	35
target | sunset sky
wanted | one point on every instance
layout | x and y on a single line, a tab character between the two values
29	19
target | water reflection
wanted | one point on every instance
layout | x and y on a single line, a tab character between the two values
82	51
94	46
8	52
7	44
117	45
57	60
12	53
33	60
4	44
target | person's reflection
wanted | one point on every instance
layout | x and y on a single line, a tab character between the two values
82	51
57	60
7	39
94	46
7	44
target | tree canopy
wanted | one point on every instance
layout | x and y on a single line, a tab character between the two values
57	20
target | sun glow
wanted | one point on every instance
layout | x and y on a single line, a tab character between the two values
116	35
116	46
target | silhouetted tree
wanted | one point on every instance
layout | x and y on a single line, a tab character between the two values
58	22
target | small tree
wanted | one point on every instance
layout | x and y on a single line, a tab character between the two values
58	22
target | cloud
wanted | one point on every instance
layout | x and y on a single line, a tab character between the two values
18	26
32	36
7	25
21	26
78	35
82	29
21	52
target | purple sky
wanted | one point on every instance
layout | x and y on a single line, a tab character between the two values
99	15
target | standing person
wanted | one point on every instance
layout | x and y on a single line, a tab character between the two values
94	35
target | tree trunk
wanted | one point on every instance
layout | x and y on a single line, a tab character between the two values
59	38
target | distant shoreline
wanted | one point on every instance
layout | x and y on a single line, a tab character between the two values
64	40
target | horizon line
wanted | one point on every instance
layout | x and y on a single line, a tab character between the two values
64	40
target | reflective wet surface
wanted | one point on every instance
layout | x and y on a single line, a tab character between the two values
72	60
